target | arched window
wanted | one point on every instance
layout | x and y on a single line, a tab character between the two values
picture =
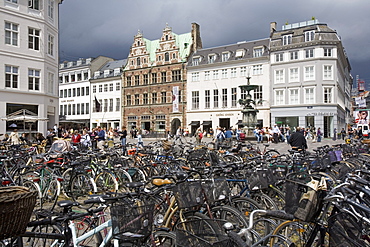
166	57
166	37
138	43
138	61
174	56
159	58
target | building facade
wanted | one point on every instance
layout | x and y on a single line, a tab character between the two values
106	95
29	64
154	81
310	77
214	76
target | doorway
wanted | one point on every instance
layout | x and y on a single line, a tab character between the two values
328	126
175	124
224	123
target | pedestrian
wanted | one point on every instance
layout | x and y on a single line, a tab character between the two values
100	138
76	138
257	134
297	140
343	133
276	134
287	134
123	138
14	138
139	137
335	134
228	135
319	134
198	136
85	139
219	138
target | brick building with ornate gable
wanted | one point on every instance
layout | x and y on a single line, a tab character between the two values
154	81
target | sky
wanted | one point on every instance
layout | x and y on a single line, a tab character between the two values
91	28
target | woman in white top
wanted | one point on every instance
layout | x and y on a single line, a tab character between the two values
14	138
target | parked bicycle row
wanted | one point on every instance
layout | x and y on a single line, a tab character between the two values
185	195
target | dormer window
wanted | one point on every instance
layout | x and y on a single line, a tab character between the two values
96	74
225	56
212	58
239	53
257	52
287	39
309	35
117	71
196	61
106	72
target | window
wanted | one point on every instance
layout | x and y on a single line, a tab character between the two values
215	74
257	69
224	73
51	45
145	79
94	89
233	72
233	97
128	100
66	78
88	91
243	71
138	63
69	109
239	53
87	108
73	78
328	72
195	76
164	97
33	39
61	95
51	9
78	91
145	99
110	105
86	76
65	110
105	105
215	98
309	53
100	88
287	39
160	125
195	100
328	52
12	1
82	91
225	56
79	77
309	97
279	76
110	87
50	83
176	75
154	77
211	58
78	109
243	94
257	52
206	75
69	92
309	36
309	73
166	57
293	96
293	55
118	104
257	93
74	92
224	97
279	57
137	80
118	86
207	99
154	98
196	61
163	76
279	97
34	4
293	75
328	95
65	93
11	33
128	81
11	76
137	99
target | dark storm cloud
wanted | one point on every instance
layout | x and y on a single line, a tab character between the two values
89	28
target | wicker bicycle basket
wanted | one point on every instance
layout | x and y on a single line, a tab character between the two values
130	220
201	233
16	206
188	194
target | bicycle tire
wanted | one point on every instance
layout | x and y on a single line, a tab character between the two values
44	242
236	240
106	182
84	225
52	192
81	187
264	200
295	231
230	214
164	239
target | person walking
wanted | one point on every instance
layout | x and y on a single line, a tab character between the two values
219	138
100	138
343	134
297	140
123	138
139	137
198	136
319	134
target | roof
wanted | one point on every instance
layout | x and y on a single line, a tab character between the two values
111	66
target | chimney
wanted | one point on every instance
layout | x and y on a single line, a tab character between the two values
272	27
195	35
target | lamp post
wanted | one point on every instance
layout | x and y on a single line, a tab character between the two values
249	112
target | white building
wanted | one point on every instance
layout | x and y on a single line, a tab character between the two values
106	95
310	77
75	91
29	62
214	77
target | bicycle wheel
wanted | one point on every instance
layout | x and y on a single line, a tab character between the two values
82	186
264	200
236	240
163	239
231	215
106	182
136	174
44	242
84	225
272	154
52	192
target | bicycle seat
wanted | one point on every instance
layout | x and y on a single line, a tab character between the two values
67	203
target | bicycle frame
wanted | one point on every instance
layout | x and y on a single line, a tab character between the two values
90	233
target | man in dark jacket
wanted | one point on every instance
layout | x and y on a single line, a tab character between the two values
297	140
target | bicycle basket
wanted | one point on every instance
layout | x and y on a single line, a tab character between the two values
261	179
197	154
215	189
188	194
16	206
201	233
130	220
344	230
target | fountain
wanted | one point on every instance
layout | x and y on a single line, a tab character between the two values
249	112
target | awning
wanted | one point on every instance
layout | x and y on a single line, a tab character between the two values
195	123
207	123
